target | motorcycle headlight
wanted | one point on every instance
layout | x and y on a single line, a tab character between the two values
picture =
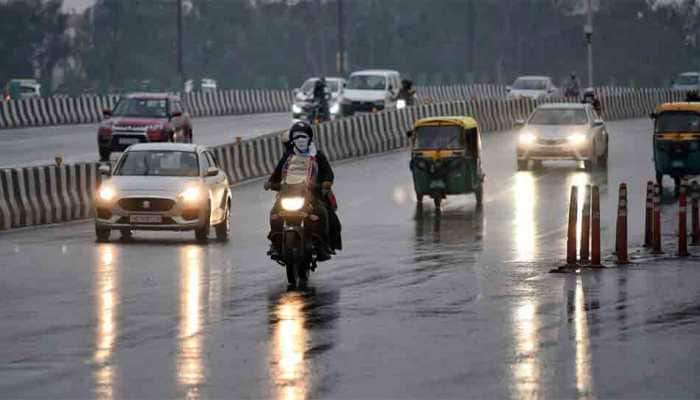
335	108
191	195
292	203
577	138
296	109
400	103
106	193
527	138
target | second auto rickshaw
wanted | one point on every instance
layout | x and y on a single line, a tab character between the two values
676	140
446	158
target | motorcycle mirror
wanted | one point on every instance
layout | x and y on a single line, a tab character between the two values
653	115
105	169
409	134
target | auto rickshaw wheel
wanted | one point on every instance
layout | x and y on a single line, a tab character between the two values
438	202
479	193
419	198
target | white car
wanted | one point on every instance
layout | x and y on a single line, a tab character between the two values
563	131
164	186
371	90
532	87
687	82
303	97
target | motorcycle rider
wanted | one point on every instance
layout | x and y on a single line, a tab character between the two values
301	144
319	95
573	86
589	97
407	92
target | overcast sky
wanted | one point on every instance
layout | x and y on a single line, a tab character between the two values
77	5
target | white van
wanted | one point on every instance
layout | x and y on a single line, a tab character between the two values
371	90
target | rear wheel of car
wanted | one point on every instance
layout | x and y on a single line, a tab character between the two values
102	234
104	154
202	234
222	228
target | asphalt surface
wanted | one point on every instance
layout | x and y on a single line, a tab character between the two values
415	307
40	145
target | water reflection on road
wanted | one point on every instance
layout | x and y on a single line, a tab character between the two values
190	367
107	300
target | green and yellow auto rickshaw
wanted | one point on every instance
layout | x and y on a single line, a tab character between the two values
446	158
677	140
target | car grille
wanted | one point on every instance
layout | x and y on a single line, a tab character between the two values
553	142
146	204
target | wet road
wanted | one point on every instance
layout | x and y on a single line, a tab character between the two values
39	145
461	307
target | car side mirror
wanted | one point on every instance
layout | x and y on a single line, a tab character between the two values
598	122
212	171
409	134
104	169
653	115
508	88
176	114
519	123
107	113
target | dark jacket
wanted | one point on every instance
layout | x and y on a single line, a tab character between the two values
325	172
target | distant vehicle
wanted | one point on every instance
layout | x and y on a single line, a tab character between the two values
164	186
205	85
303	105
676	141
143	117
17	89
371	90
532	87
686	82
563	131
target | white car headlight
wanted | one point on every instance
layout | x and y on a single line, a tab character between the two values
400	104
106	193
191	195
292	203
296	109
527	138
335	108
577	138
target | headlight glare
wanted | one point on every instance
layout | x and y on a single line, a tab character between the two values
335	108
577	138
400	104
527	138
107	193
191	194
292	203
296	109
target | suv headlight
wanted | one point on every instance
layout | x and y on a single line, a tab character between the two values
527	138
292	203
106	193
577	138
400	104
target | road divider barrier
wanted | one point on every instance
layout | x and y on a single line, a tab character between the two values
346	138
621	226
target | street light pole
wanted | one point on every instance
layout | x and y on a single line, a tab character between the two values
180	69
588	30
341	40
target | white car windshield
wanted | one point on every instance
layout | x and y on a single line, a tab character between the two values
367	82
308	86
158	163
133	107
530	84
559	116
688	79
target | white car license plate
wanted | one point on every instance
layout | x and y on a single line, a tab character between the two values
145	219
128	140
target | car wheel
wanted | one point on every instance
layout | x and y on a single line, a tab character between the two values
522	165
202	234
104	154
102	234
223	228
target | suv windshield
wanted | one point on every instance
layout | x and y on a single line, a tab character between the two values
559	116
367	82
530	84
439	137
678	122
158	163
134	107
688	80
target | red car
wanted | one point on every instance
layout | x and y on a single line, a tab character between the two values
143	117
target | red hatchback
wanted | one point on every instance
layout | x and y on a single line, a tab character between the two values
140	118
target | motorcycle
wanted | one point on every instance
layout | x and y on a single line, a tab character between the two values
294	209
